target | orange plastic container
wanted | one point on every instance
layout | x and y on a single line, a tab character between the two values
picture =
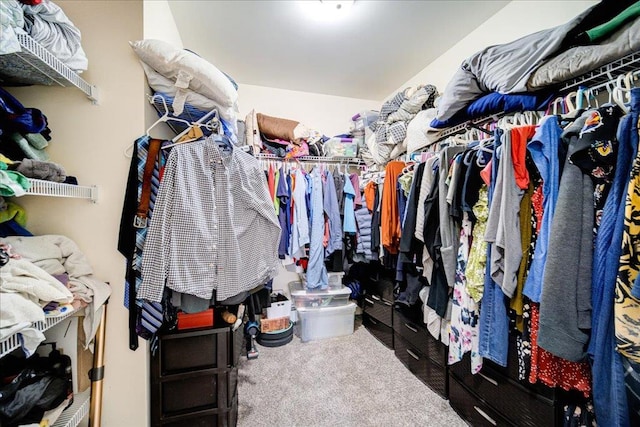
203	319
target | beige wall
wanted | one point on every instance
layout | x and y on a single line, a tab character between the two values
517	19
89	140
159	23
326	113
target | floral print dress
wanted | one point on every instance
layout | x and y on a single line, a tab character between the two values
464	335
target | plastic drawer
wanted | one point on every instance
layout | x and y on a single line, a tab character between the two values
474	411
382	332
194	350
379	309
225	417
434	376
515	402
418	336
183	393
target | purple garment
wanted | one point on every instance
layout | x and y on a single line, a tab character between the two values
355	181
62	278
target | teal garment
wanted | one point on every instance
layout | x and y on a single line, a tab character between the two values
349	225
13	183
604	30
29	150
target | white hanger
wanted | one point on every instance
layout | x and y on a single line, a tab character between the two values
165	117
619	92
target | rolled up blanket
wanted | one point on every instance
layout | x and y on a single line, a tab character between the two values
48	171
277	128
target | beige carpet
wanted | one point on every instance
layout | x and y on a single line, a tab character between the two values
346	381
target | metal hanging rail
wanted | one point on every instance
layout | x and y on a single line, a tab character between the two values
313	159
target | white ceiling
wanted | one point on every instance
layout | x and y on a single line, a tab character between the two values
367	54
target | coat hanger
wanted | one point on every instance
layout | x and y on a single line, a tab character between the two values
620	89
166	116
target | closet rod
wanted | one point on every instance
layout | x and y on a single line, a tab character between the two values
312	159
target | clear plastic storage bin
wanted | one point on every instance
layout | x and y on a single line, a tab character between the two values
314	298
335	279
328	322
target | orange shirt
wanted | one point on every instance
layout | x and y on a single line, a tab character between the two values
370	195
390	215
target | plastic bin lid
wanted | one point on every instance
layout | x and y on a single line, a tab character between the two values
298	289
325	310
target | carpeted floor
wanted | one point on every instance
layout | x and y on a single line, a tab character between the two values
346	381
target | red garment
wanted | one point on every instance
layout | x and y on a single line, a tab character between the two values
485	173
31	2
537	201
519	138
552	370
271	181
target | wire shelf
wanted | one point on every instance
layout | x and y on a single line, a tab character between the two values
72	416
55	189
36	65
595	79
13	342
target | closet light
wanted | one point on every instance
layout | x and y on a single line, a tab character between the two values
327	10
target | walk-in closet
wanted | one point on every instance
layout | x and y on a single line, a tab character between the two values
319	213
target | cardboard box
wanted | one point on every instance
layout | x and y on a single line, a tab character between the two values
279	308
270	325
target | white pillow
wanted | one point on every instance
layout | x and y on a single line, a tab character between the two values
161	84
187	70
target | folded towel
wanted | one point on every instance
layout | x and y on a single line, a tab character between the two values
37	169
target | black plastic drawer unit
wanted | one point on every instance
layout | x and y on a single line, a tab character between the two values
382	332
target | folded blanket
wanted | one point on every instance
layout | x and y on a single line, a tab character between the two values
582	59
49	26
11	21
277	128
58	255
40	170
21	276
494	103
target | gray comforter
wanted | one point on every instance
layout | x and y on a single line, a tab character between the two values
581	59
503	68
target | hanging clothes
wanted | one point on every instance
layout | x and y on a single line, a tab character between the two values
317	276
449	228
494	321
464	336
300	236
228	242
390	217
545	152
627	300
565	302
283	194
609	395
349	224
332	212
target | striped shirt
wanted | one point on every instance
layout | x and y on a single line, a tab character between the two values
213	227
